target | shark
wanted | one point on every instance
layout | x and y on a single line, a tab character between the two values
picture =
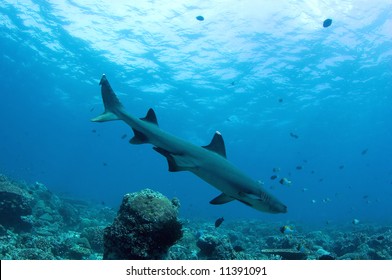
207	162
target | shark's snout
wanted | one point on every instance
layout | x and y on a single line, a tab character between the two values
278	207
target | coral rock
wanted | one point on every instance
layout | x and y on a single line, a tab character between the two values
14	203
145	227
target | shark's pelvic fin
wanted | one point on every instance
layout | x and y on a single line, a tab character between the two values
151	117
217	145
173	166
221	199
139	138
110	101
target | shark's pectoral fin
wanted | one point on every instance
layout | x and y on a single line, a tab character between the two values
221	199
176	162
139	138
217	145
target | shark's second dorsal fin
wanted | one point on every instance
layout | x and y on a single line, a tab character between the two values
221	199
139	137
217	144
150	117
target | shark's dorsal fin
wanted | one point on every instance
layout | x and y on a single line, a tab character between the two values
217	144
139	137
150	117
221	199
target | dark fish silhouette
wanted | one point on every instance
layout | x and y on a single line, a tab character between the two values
327	22
219	221
294	135
200	18
273	177
364	152
124	136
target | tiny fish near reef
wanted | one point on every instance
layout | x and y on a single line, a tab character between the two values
218	222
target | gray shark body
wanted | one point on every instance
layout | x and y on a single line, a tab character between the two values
207	162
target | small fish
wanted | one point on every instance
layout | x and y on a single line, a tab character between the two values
355	221
92	109
94	131
314	201
200	18
275	169
364	152
273	177
219	221
286	229
285	181
105	164
341	167
261	183
280	100
304	189
294	135
124	136
299	167
327	22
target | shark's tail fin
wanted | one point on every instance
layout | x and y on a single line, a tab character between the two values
110	101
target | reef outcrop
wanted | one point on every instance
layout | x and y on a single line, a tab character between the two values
146	226
15	204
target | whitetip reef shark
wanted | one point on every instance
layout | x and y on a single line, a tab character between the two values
207	162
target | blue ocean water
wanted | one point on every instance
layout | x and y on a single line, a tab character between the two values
285	92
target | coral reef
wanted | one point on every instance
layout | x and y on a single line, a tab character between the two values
15	204
37	224
145	227
214	247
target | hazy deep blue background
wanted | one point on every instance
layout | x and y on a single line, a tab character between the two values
254	70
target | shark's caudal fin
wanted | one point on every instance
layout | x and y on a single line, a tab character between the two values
110	101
